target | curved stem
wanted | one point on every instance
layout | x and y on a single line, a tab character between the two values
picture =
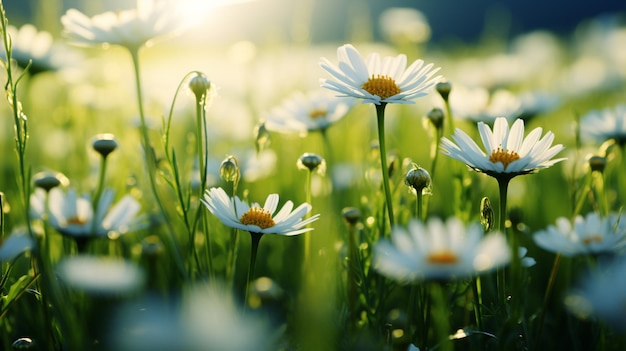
255	238
151	163
380	115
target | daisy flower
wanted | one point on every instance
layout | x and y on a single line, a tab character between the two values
131	28
602	125
306	112
236	213
378	80
439	250
589	235
73	215
601	295
508	152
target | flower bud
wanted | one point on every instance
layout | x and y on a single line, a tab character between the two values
151	246
435	116
486	214
597	163
262	137
443	88
49	180
104	144
229	169
312	162
199	86
418	179
351	215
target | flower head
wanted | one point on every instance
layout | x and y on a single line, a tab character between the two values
602	125
256	219
131	28
377	79
439	250
508	152
589	235
74	216
307	112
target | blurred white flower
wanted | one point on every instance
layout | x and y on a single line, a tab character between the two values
100	275
206	318
256	219
439	250
508	151
479	105
605	124
404	25
305	112
132	28
258	165
378	80
73	215
527	261
15	244
536	103
589	235
601	294
39	47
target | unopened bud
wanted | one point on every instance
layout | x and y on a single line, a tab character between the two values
418	179
49	180
262	137
435	116
229	169
597	163
351	215
486	214
312	162
104	144
200	86
443	88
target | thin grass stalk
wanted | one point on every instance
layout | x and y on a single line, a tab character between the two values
380	115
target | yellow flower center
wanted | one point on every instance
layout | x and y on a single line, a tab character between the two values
76	220
442	257
317	113
383	86
259	217
592	239
504	156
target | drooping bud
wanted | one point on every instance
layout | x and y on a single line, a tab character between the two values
486	214
418	179
200	86
104	144
48	180
443	88
312	163
229	169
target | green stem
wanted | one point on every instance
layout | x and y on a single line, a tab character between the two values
98	194
307	236
255	238
352	263
546	299
234	245
380	115
478	301
151	164
503	185
441	321
420	200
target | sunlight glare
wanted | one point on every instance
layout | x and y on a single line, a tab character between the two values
197	10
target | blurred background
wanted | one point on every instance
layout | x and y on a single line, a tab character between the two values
332	20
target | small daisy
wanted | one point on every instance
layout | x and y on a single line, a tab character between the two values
131	28
73	216
306	112
256	219
18	242
378	80
508	152
602	125
589	235
439	250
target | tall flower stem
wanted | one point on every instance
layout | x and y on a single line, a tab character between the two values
503	185
546	299
255	238
307	236
380	115
441	320
151	164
